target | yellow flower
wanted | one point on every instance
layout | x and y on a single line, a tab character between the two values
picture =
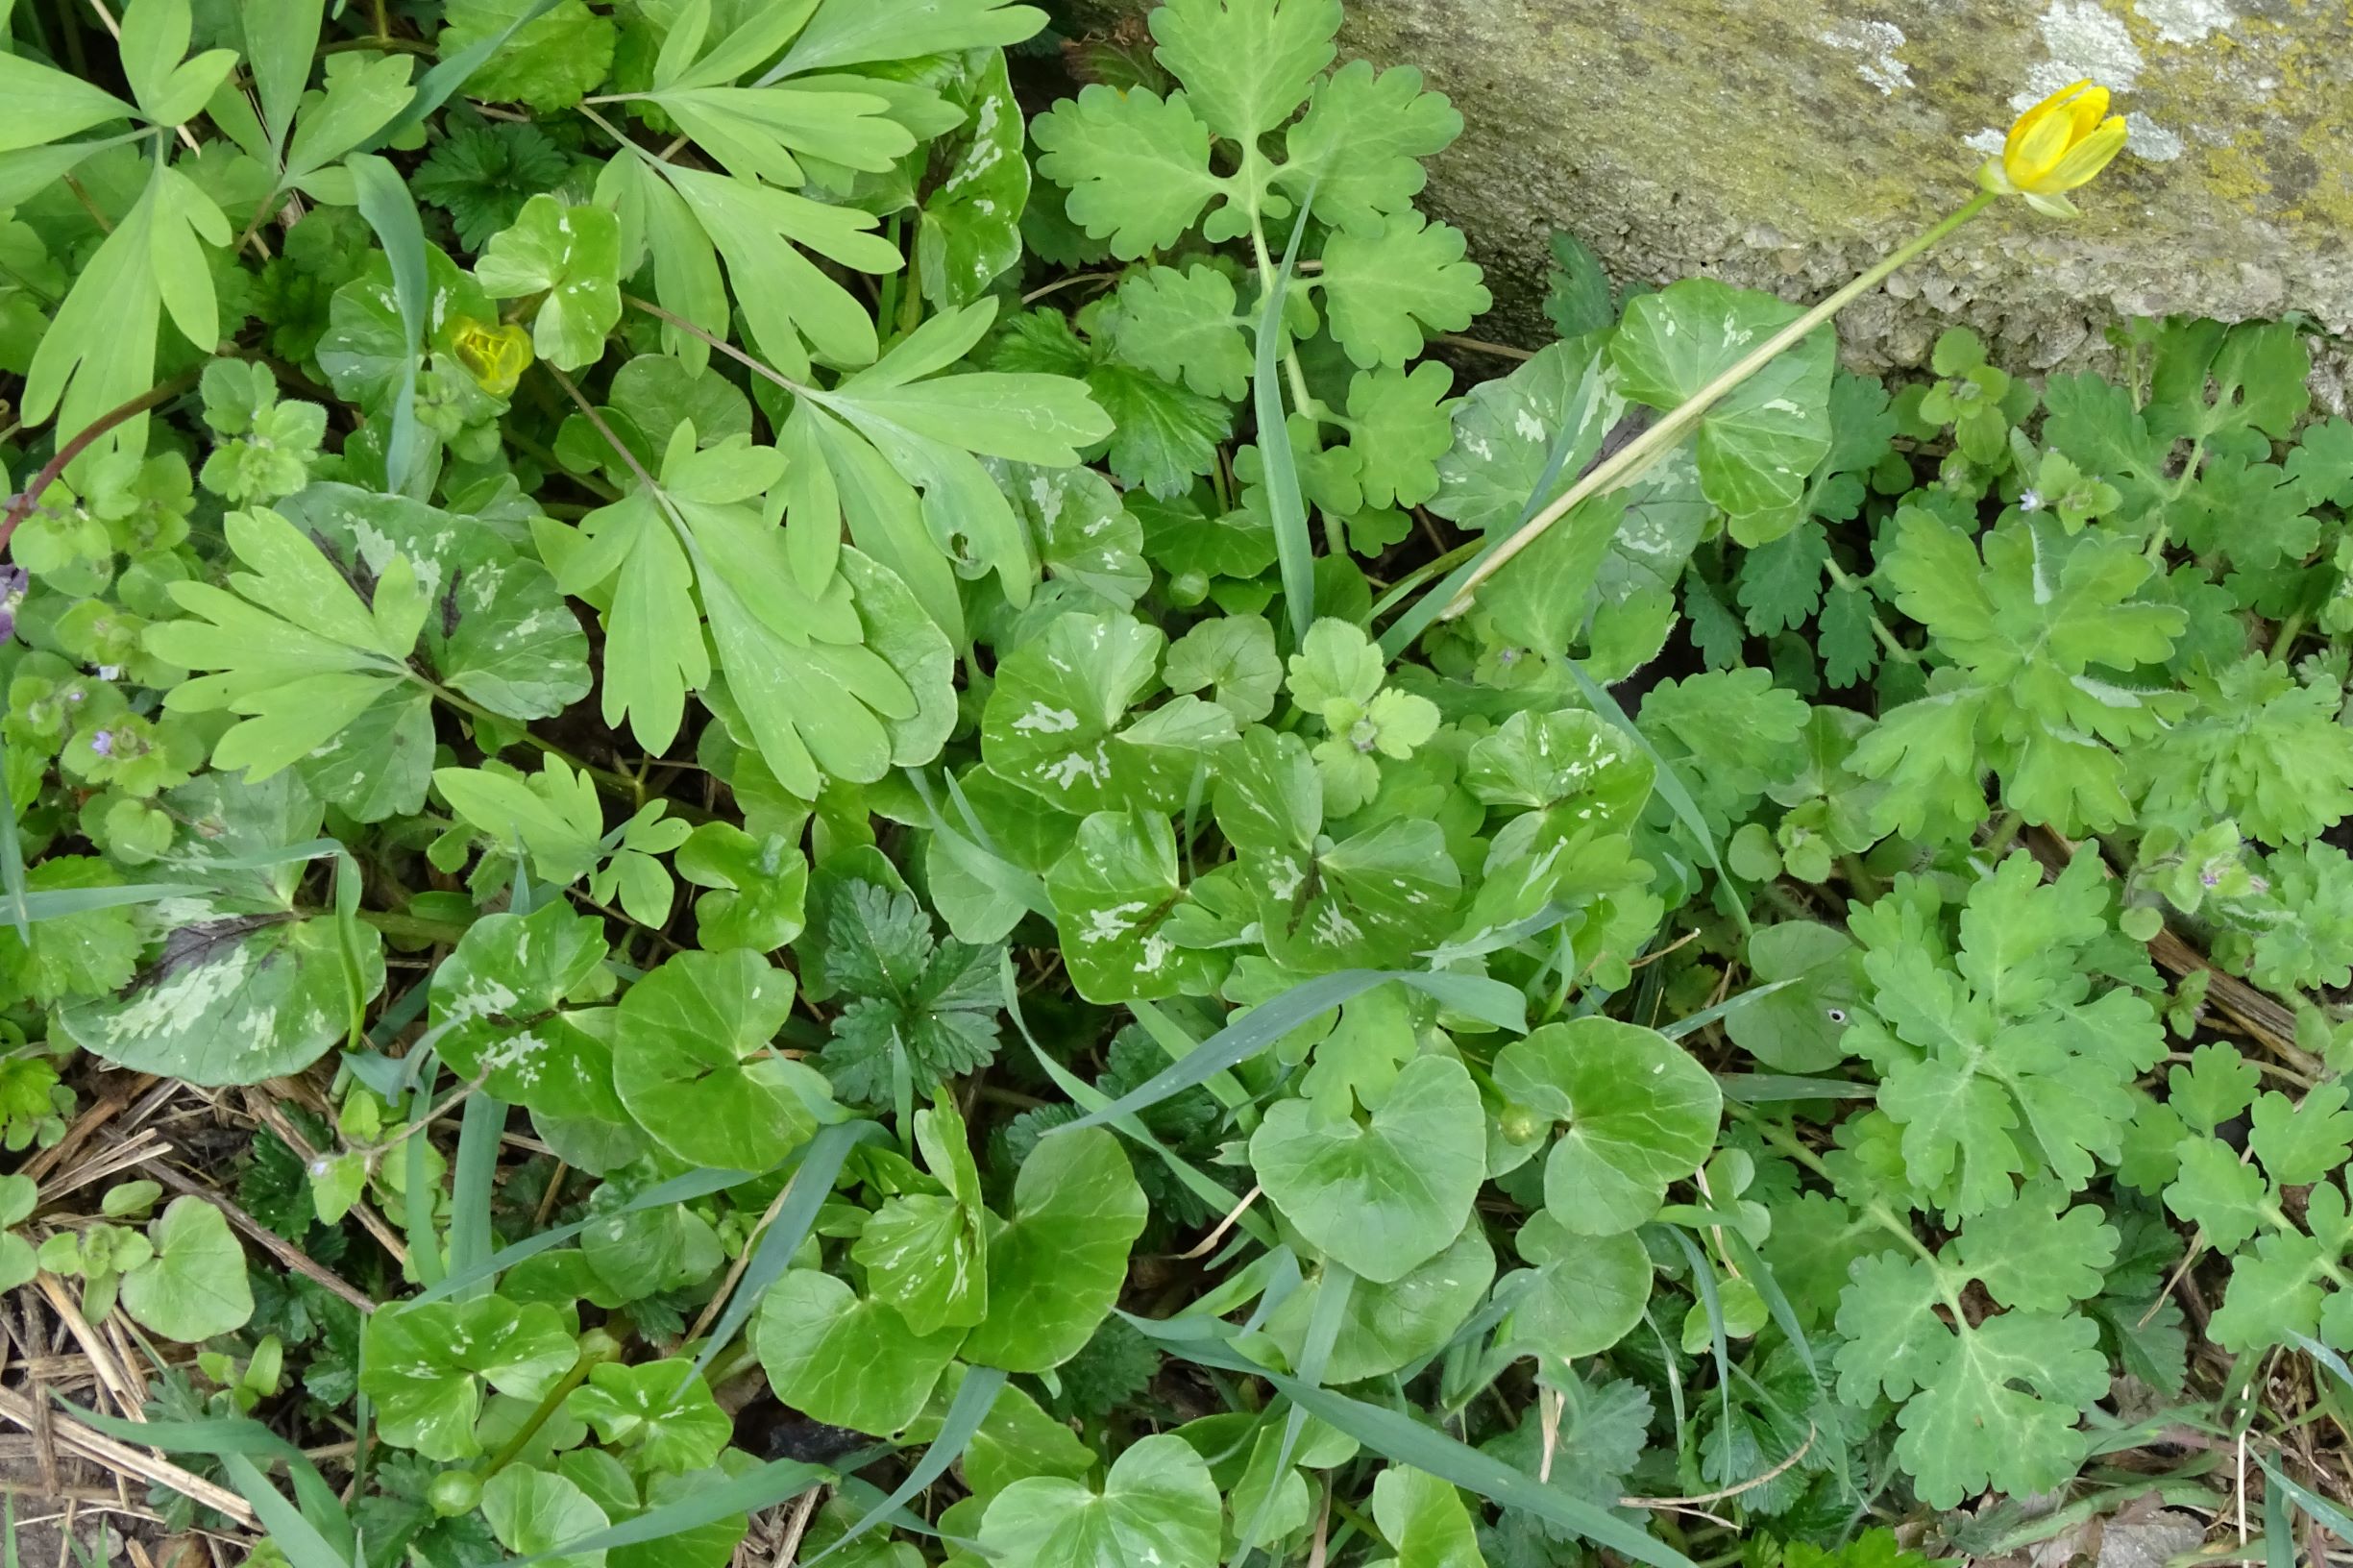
2058	144
496	355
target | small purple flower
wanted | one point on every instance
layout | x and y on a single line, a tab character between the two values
103	743
2210	877
14	581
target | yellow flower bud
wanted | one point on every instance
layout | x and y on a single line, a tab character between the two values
496	355
2058	144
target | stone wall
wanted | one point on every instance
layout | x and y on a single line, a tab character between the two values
1786	143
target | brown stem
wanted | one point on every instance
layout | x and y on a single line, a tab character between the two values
20	505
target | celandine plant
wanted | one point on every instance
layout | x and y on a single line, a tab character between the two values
897	841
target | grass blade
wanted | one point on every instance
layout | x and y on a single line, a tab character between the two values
1294	545
1761	1088
1238	1042
1401	1439
1324	1322
477	1164
803	1196
1729	1005
748	1493
385	201
974	1398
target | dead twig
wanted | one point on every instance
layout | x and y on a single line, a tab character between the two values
121	1456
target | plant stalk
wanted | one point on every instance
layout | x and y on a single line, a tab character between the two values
1655	443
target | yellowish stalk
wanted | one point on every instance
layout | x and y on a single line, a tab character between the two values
1635	459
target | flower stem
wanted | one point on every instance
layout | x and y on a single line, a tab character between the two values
1655	443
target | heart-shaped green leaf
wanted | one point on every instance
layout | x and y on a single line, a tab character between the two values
846	1360
690	1062
1158	1506
1056	1266
1384	1195
1639	1113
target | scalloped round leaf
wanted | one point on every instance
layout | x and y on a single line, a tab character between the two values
1112	894
534	1512
1573	761
1589	1290
1639	1113
501	994
1384	1195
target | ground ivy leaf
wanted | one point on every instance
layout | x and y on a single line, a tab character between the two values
1234	657
1056	1267
1158	1506
846	1360
691	1062
1384	1195
1639	1113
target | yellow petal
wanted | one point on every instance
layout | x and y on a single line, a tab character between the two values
2086	112
2026	124
2087	158
2044	145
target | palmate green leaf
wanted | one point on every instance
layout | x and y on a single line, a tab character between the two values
570	257
1248	66
1385	293
1157	1505
1083	533
48	105
1361	143
100	349
691	1062
549	63
917	1009
1506	430
1056	1266
1384	1195
1137	166
1757	444
846	1360
365	349
1164	435
1184	325
424	1366
1637	1113
1398	426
